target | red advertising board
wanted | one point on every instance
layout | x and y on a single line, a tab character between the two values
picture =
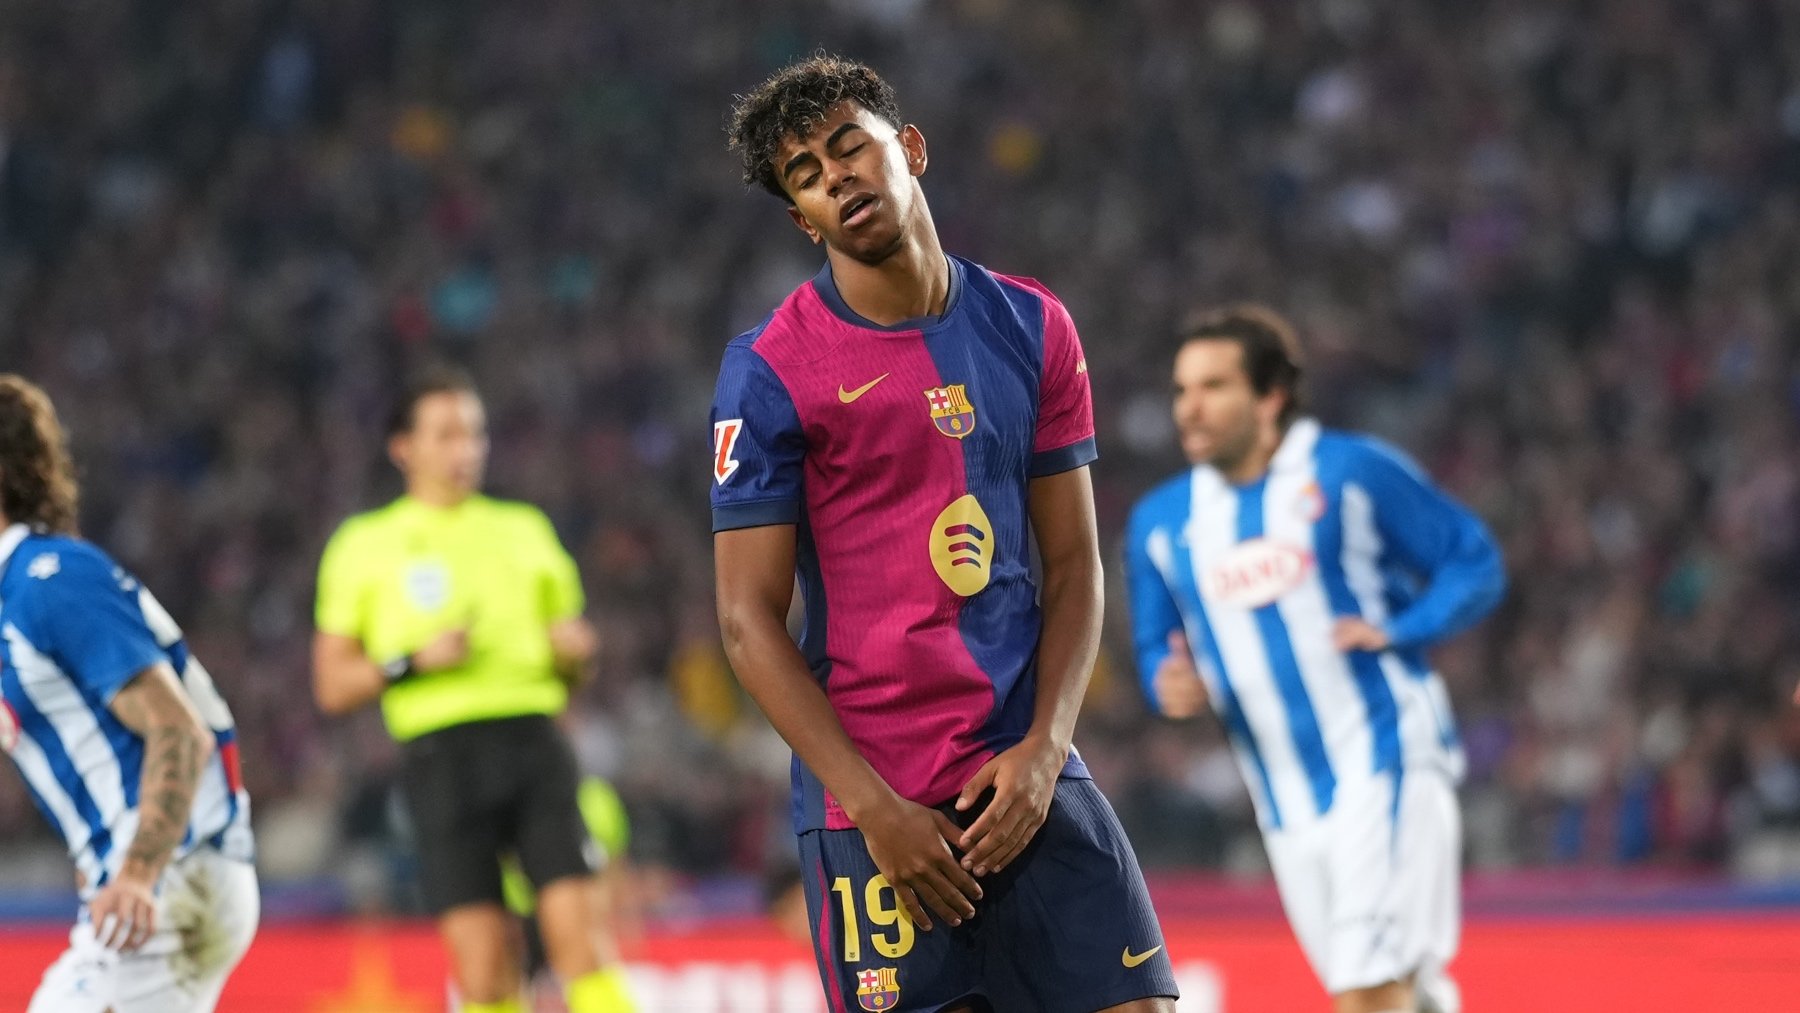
1236	965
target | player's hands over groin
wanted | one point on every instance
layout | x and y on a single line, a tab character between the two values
123	913
1024	783
910	844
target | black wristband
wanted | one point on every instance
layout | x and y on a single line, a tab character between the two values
398	669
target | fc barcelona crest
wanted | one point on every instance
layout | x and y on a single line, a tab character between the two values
951	410
879	989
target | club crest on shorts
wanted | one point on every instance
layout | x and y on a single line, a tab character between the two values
951	410
878	989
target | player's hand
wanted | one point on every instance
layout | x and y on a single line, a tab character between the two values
1353	634
1179	691
1024	783
910	844
446	650
123	913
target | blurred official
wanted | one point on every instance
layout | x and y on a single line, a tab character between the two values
462	615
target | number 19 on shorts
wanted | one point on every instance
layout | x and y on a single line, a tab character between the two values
881	906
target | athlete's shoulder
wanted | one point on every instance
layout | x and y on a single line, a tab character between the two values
515	514
1166	502
750	385
799	330
370	524
984	283
56	568
1360	454
746	341
1012	283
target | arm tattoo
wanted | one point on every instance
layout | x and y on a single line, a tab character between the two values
173	760
176	747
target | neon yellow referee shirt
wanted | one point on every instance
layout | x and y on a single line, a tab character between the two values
396	577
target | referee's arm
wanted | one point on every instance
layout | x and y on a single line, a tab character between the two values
574	644
345	678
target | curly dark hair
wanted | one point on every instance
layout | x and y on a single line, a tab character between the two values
1272	354
795	101
37	479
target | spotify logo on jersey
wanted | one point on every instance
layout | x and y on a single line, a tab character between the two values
962	546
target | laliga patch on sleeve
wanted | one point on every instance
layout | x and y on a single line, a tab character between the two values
725	437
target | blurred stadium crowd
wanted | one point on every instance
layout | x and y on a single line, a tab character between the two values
1547	247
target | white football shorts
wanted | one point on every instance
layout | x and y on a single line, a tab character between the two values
1373	889
207	908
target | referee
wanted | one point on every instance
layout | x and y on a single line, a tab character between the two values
462	614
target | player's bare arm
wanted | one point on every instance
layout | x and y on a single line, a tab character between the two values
345	678
1179	691
177	745
908	842
1024	777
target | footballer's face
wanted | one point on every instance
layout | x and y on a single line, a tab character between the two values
852	182
445	453
1220	418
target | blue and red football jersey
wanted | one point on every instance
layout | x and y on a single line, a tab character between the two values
904	456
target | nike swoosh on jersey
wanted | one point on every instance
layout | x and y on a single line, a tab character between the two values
1130	959
847	396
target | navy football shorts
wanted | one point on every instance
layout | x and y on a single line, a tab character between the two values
1066	928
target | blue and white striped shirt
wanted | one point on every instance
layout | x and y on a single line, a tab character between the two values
75	628
1256	576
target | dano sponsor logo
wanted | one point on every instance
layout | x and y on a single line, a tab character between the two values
1256	573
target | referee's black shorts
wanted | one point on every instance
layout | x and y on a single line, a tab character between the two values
480	790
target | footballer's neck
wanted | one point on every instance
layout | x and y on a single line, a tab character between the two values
909	283
1253	466
438	495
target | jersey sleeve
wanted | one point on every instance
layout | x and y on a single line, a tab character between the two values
341	607
561	593
1154	614
1439	539
1065	427
88	619
758	445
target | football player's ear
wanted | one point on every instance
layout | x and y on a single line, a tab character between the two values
398	448
803	225
913	143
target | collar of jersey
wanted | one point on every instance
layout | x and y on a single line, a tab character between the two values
9	541
1296	447
826	287
437	513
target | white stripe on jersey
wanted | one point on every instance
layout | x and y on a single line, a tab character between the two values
36	768
1337	701
1212	534
63	706
1162	556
